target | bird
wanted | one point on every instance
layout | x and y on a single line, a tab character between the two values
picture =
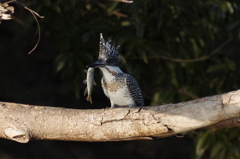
121	88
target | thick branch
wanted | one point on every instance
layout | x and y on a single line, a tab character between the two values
22	122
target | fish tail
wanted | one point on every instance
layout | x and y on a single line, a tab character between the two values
89	98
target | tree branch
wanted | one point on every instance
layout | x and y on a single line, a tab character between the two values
23	123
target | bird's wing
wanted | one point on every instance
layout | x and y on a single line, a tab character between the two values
134	90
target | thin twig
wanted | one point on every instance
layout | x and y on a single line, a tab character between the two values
10	1
190	60
124	1
39	30
34	15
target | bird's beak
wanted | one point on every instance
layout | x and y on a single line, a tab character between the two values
96	64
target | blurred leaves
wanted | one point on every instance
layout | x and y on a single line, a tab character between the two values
218	144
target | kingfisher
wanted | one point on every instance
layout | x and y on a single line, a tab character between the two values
121	88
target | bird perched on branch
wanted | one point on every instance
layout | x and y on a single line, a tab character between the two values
121	88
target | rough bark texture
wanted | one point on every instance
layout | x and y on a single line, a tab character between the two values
22	122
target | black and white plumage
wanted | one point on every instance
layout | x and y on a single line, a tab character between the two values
108	52
134	90
121	88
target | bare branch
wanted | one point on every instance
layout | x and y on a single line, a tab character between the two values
6	11
23	123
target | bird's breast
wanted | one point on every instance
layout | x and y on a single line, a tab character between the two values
113	86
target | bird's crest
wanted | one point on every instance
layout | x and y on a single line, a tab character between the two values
108	52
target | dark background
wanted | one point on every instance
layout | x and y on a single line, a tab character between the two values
162	43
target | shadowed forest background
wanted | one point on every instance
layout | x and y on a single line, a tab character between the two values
176	50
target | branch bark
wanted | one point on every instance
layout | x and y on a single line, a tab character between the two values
23	123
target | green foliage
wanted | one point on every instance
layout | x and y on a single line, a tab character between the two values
218	144
177	50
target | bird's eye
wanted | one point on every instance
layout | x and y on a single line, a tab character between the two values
108	60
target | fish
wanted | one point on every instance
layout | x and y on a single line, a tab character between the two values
90	83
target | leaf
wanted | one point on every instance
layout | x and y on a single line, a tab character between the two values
202	144
216	149
215	68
